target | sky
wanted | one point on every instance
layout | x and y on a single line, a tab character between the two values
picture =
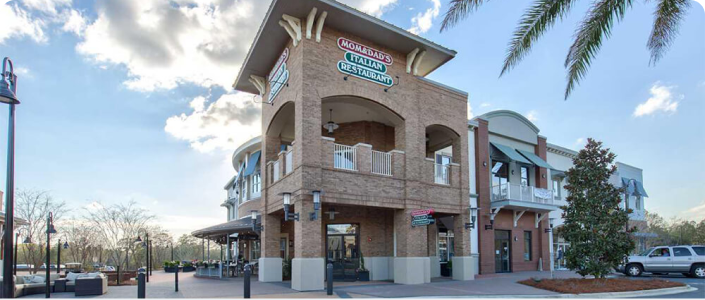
131	100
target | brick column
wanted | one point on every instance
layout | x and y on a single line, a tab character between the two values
364	158
411	265
270	263
542	180
308	268
482	163
463	263
398	162
541	173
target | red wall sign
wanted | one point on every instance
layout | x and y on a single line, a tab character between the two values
421	212
363	50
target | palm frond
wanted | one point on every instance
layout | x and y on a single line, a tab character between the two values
668	16
459	10
588	38
536	20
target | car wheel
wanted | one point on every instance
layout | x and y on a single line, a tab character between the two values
698	271
634	270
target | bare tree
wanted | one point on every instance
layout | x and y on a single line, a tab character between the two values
83	241
34	207
117	226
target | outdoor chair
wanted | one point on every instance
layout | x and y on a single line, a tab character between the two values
93	284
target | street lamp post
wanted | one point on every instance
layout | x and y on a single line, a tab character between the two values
145	244
50	230
27	240
8	95
58	254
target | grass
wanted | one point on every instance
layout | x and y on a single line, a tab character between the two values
583	286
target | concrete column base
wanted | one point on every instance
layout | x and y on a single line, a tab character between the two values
378	267
412	270
476	263
308	274
270	269
463	268
435	266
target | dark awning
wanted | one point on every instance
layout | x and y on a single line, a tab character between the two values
241	226
511	153
558	173
252	163
535	159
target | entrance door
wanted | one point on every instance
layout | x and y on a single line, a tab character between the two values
559	262
342	248
502	250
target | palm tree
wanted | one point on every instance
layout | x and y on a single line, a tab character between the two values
595	27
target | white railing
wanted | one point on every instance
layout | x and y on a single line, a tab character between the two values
275	171
441	174
289	162
517	192
381	163
345	157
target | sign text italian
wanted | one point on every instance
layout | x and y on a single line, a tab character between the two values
365	62
422	217
279	75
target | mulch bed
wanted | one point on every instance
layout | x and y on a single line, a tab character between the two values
583	286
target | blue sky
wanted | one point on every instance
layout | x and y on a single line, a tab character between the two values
128	100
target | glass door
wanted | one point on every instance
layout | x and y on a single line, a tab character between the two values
342	248
502	248
559	262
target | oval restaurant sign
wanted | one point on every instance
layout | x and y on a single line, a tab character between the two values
365	62
278	76
422	217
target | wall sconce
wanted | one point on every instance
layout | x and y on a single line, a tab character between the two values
287	215
543	175
550	225
255	227
493	213
484	164
512	172
316	205
473	217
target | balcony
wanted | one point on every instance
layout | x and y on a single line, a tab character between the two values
281	167
522	197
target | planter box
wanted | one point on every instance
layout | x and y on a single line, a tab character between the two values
170	269
188	269
445	271
363	275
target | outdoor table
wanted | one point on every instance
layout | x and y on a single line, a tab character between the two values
60	285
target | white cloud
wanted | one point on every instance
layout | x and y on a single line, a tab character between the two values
695	213
470	114
485	104
532	115
17	23
224	124
75	23
662	99
372	7
580	142
93	206
423	21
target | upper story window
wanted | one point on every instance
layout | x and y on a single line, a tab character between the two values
243	190
256	183
524	176
637	202
556	189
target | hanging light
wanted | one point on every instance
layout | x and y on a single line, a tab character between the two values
331	126
27	240
66	245
138	239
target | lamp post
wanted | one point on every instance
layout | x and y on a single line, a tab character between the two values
50	230
58	254
27	240
145	244
8	95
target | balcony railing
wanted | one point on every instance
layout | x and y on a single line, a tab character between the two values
289	162
275	171
381	163
525	193
345	157
441	174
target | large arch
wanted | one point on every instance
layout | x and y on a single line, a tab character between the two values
441	138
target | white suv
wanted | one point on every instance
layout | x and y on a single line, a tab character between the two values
688	260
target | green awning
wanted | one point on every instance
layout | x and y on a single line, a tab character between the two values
511	153
252	163
535	159
640	189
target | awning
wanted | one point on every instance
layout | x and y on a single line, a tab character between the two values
629	188
640	189
535	159
252	163
241	226
558	173
511	153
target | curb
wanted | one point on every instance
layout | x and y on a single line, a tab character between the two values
643	293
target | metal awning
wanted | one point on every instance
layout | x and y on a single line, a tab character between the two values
511	153
252	163
535	159
558	173
241	226
636	189
640	189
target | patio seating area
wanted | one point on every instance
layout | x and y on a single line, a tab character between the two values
80	284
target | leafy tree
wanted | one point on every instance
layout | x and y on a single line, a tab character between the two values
595	27
594	221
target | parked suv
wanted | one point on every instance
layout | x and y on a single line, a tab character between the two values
688	260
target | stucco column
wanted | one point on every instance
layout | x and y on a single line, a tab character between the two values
308	268
270	263
463	263
434	260
411	265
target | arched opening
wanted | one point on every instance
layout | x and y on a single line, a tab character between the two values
279	142
352	120
443	147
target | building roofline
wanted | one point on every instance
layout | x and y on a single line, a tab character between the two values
245	145
508	113
561	150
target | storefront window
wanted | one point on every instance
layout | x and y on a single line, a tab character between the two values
341	228
255	251
445	245
500	178
527	245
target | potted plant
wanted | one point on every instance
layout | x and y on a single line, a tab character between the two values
286	269
362	273
171	266
188	267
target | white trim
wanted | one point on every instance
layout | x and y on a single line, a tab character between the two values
410	59
295	24
290	31
517	217
319	25
309	22
417	62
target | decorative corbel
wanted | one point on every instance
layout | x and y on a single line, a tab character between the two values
319	25
309	22
295	24
538	218
290	31
410	59
517	216
417	62
259	83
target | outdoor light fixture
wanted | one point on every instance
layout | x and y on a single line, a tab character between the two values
255	227
393	85
145	244
493	214
50	230
550	225
484	164
473	217
287	215
27	240
8	95
58	254
316	205
331	126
